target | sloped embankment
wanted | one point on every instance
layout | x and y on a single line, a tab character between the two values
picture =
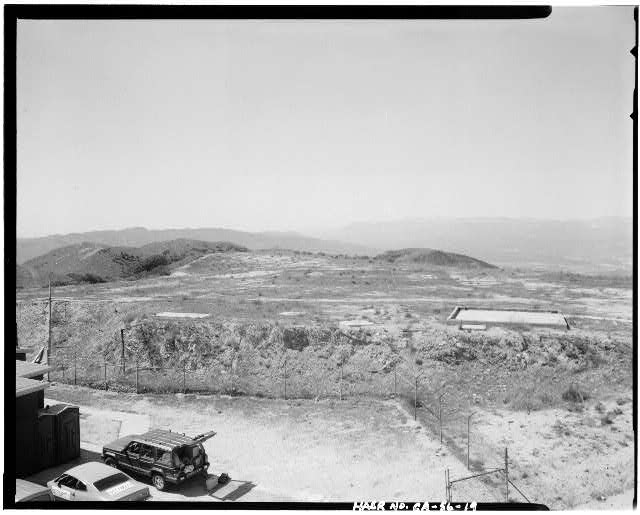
255	358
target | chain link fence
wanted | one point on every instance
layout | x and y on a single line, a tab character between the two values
427	391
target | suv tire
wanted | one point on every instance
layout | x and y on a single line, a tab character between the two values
158	481
111	463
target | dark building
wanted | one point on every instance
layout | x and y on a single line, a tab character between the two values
45	436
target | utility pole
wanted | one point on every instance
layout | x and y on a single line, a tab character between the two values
49	342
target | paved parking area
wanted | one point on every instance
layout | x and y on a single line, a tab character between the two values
104	425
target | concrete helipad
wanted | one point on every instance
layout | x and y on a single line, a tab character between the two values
481	318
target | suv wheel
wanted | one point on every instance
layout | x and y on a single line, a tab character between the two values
158	481
111	462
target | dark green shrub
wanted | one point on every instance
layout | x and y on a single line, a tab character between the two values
574	394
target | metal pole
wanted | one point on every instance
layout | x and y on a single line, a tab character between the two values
448	490
233	371
395	380
415	400
469	437
446	485
75	369
184	378
137	369
341	365
285	378
440	415
49	341
106	384
506	474
122	340
468	433
49	344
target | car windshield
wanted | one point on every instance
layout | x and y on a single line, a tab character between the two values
109	481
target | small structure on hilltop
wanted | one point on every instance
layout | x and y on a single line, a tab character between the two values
483	318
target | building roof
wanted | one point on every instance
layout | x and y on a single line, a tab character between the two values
26	369
484	316
26	386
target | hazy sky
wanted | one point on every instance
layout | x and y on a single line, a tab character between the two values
304	125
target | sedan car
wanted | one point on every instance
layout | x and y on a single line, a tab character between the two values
96	481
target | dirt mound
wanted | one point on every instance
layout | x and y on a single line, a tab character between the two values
250	357
574	350
432	257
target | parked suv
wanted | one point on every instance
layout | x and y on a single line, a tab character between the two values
163	456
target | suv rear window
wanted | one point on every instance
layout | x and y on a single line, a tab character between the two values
108	482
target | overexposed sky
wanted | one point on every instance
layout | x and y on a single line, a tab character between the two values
304	125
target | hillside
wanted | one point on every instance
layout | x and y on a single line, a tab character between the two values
597	245
92	263
432	257
29	248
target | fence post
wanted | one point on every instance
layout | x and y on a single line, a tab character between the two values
440	414
184	378
285	378
468	433
506	475
137	369
415	401
341	373
448	486
233	372
395	380
469	438
123	358
63	372
106	384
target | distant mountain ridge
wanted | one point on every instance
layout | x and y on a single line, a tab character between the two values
602	243
93	263
29	248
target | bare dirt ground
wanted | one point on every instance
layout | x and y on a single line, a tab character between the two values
564	453
289	450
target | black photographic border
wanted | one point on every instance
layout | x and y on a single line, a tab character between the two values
14	12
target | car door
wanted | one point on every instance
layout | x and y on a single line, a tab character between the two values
131	459
146	459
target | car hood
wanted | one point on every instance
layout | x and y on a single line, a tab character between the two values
119	444
130	490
